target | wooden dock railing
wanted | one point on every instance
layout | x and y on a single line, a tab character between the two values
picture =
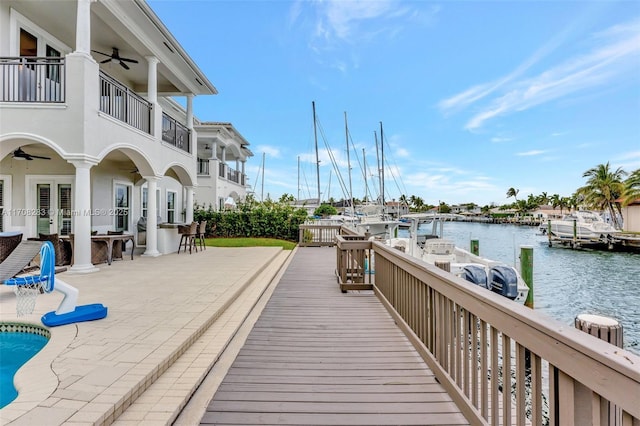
312	235
502	362
353	255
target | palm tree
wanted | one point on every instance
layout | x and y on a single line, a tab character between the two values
512	192
631	191
602	190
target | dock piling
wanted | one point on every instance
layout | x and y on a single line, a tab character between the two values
475	247
526	270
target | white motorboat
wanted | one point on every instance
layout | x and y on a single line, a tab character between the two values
582	225
495	276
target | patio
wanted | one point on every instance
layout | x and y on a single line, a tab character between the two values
159	309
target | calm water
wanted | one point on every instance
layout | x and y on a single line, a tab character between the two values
16	349
566	282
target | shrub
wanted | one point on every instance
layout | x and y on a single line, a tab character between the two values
325	210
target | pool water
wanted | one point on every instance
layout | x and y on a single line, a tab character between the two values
16	348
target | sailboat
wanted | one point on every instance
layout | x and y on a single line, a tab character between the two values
373	218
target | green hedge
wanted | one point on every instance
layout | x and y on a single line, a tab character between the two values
256	220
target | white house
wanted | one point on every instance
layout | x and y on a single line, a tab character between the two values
91	138
222	156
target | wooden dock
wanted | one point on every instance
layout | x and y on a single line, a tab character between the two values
320	356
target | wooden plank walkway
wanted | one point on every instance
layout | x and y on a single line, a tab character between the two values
319	356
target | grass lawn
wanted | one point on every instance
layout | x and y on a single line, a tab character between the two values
249	242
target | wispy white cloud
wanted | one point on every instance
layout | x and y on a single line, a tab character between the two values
481	91
498	139
335	24
531	153
402	153
270	151
614	52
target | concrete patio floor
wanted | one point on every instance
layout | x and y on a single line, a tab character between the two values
169	320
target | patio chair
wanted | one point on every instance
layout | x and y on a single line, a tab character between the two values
188	236
200	235
8	242
19	259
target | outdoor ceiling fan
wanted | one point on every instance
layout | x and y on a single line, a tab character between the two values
19	154
115	56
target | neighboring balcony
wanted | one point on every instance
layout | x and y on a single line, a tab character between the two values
203	167
175	133
231	175
32	79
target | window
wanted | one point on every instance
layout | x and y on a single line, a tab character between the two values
171	206
64	209
122	207
145	201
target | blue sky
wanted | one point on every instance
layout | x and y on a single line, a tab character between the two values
474	97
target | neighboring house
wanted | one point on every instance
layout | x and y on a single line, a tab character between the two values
397	209
91	138
222	155
631	217
464	209
546	212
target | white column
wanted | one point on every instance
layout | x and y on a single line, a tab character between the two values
223	154
214	149
82	218
152	217
152	79
189	205
83	27
243	165
189	123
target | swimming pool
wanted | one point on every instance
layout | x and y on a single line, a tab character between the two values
18	344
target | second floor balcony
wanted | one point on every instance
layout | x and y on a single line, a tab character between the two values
32	79
175	133
123	104
203	167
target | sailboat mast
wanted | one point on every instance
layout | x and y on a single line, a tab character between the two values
346	131
298	199
315	137
262	190
378	159
382	168
366	177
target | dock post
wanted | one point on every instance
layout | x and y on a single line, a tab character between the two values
475	247
609	330
575	233
549	231
526	269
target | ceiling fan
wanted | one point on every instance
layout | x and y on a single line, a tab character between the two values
115	56
19	154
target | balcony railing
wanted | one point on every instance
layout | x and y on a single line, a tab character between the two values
175	133
121	103
221	169
233	175
32	79
203	167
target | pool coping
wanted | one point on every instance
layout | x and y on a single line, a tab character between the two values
35	381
